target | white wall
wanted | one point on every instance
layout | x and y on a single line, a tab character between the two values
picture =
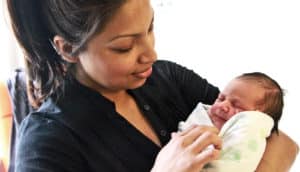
221	39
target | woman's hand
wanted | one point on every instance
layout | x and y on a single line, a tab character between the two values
186	151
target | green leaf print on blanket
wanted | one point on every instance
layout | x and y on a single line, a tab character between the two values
231	154
234	154
252	145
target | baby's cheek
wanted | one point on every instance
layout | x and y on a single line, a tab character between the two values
232	113
237	111
213	109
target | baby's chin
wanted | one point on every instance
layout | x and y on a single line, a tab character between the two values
217	122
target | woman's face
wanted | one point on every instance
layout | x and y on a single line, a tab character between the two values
121	56
239	95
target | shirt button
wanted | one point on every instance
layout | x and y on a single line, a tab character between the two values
146	107
163	133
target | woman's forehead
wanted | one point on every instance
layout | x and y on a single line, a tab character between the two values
134	16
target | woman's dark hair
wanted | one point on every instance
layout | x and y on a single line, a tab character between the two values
36	22
272	103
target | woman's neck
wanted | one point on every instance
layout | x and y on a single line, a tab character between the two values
118	97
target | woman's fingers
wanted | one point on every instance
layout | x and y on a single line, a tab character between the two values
187	150
193	134
206	156
184	132
207	140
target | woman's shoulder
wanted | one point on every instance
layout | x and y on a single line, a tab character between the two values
37	123
42	138
43	131
171	70
47	119
166	64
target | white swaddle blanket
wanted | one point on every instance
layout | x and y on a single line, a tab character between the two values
244	139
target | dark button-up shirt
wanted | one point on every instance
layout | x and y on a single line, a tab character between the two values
81	131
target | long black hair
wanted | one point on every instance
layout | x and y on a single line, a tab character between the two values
36	22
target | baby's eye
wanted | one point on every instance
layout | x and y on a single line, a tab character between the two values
221	98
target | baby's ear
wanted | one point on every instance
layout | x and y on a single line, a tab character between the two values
64	49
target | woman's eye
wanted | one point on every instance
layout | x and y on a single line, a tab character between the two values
151	27
121	50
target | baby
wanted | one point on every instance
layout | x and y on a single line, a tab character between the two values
246	112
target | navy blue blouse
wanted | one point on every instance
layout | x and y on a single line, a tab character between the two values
83	132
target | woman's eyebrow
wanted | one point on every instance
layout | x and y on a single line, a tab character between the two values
130	34
124	36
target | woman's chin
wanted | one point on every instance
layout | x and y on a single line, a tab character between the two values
138	83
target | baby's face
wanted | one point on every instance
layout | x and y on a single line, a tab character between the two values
239	95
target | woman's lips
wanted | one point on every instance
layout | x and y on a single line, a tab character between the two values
144	74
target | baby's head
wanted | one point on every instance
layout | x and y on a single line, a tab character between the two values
249	91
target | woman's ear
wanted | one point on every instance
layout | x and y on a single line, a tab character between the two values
64	49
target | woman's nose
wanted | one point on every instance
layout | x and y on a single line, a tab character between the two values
149	54
148	57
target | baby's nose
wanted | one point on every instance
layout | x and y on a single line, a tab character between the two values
225	107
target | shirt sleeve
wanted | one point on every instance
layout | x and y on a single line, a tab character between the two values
194	88
43	145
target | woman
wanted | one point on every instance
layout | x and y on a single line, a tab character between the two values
104	102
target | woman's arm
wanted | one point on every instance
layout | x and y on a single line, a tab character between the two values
280	154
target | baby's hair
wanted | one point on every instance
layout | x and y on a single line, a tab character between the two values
272	103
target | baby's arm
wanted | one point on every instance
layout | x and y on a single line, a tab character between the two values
244	140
